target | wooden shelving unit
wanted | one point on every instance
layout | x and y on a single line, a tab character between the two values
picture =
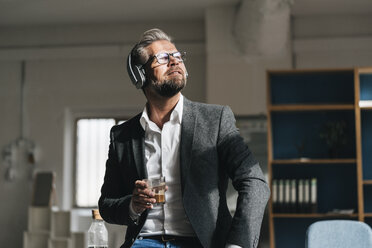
299	104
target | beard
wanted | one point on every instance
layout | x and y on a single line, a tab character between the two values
169	88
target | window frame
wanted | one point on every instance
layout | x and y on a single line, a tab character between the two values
74	169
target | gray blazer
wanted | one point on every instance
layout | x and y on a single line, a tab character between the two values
211	150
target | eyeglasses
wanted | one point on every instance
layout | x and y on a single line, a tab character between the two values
164	58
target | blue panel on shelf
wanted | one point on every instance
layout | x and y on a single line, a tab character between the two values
336	180
368	220
291	233
312	88
293	130
367	190
367	144
365	87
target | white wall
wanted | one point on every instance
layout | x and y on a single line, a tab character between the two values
233	78
340	41
115	33
15	195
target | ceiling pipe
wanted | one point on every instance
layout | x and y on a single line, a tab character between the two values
18	156
262	27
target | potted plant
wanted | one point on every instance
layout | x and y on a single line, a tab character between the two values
335	136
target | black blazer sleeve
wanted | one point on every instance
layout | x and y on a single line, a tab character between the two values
115	197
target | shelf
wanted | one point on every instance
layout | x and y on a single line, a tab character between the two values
308	107
315	161
367	182
315	215
366	70
367	214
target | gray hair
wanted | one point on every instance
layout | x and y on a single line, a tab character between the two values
139	53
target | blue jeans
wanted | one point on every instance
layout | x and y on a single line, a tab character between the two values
152	243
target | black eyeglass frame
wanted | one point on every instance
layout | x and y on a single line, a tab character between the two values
183	58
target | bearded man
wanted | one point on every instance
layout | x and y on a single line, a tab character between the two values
195	146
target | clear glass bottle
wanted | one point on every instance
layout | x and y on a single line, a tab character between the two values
97	233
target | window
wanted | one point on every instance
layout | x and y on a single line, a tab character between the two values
92	143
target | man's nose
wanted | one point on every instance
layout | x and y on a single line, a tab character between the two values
173	61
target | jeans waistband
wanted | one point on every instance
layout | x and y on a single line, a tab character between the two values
167	238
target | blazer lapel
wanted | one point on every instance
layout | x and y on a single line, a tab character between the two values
138	148
187	136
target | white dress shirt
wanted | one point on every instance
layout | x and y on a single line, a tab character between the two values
162	158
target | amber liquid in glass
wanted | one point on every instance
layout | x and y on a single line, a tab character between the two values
159	193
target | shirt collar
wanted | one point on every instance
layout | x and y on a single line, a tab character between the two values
176	115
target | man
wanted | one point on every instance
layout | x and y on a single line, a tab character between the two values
195	146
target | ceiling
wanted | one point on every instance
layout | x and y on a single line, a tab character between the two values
57	12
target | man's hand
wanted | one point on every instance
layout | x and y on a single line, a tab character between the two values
142	197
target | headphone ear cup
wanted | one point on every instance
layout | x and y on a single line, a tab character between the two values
136	74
